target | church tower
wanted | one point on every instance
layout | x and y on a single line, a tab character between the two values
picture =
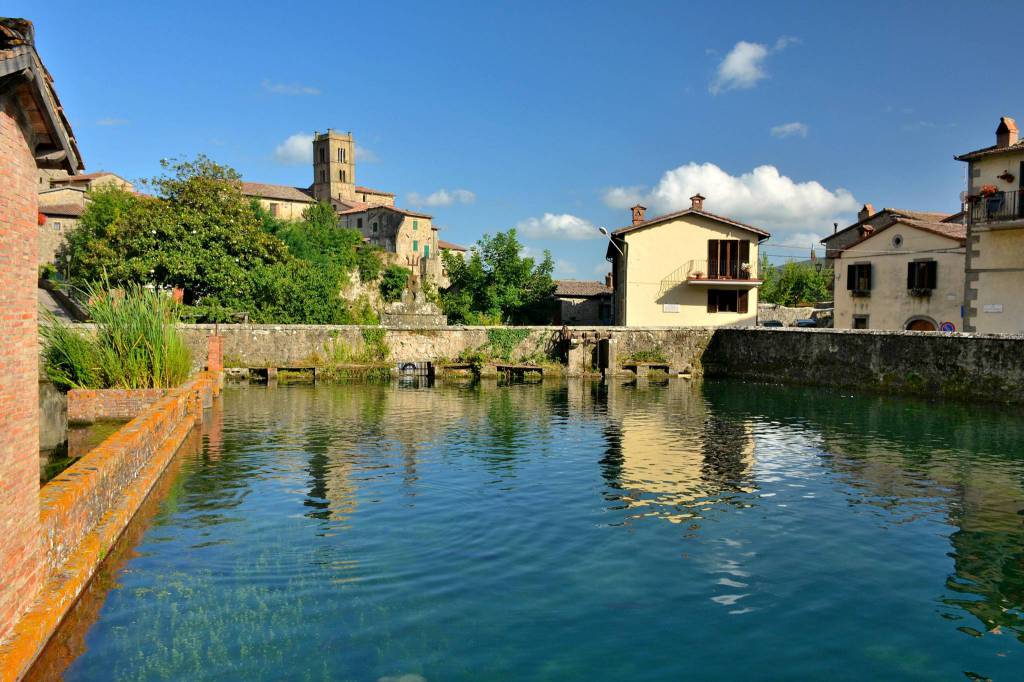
334	166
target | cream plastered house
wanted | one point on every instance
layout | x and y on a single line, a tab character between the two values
688	268
994	268
905	274
409	237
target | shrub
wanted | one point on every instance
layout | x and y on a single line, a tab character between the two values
136	343
393	282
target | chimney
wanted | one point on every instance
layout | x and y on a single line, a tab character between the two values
697	202
1006	133
866	212
638	214
865	230
608	280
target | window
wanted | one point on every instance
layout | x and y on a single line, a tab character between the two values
922	275
727	258
426	250
897	241
415	245
323	154
323	175
273	209
415	224
341	176
375	226
858	278
860	321
727	301
56	226
341	155
359	223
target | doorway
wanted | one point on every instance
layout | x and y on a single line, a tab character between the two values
921	325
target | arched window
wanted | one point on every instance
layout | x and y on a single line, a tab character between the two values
341	175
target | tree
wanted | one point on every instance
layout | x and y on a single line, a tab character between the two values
393	282
497	285
794	283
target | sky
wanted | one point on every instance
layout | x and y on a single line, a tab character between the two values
553	118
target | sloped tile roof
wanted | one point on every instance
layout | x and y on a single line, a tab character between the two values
575	288
74	210
367	190
282	192
450	246
991	151
691	211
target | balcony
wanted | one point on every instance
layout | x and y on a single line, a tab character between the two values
720	274
996	207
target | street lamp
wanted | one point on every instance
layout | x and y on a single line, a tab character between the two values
604	231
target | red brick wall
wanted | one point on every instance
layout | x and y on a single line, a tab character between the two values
215	353
88	405
20	558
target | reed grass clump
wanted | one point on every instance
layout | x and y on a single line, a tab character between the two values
136	343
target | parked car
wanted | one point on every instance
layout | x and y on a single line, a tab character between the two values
806	322
772	323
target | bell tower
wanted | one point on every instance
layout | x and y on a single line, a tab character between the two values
334	166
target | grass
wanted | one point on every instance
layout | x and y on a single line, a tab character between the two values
136	343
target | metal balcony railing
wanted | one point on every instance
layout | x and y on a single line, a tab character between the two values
997	207
720	269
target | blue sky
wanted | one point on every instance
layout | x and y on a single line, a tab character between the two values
549	116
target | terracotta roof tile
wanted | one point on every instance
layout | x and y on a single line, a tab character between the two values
74	210
575	288
991	151
282	192
689	211
449	246
367	190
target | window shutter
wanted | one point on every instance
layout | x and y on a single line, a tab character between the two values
712	300
933	274
911	275
744	252
851	277
712	260
868	268
741	300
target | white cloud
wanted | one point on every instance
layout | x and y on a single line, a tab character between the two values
558	226
442	197
112	122
624	197
291	89
296	149
790	130
762	197
365	155
743	66
563	269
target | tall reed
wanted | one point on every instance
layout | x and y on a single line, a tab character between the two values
136	343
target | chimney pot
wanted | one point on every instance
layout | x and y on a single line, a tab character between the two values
608	280
866	212
697	202
638	214
1006	133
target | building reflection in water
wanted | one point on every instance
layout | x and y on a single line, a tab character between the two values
670	456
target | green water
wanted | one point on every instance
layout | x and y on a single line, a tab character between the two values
576	531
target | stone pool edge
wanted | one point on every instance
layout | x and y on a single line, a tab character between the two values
84	510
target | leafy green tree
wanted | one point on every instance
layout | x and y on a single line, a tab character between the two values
393	282
495	284
794	283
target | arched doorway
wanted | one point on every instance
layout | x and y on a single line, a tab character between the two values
921	324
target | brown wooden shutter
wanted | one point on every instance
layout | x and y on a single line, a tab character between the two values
868	268
741	300
911	275
851	277
712	300
713	246
933	274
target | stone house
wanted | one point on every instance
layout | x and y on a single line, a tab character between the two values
409	237
994	264
685	268
34	135
62	200
870	219
906	274
583	303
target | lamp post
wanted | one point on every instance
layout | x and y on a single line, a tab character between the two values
604	231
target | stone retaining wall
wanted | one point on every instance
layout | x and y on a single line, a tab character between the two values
984	367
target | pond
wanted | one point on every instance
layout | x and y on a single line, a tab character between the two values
570	531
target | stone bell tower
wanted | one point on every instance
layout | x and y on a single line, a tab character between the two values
334	166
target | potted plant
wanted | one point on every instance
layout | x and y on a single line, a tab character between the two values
989	190
698	275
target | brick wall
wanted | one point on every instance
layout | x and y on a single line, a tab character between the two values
87	405
19	395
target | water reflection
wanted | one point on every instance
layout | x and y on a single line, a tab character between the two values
509	531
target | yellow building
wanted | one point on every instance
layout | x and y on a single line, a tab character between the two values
62	200
688	268
904	274
994	264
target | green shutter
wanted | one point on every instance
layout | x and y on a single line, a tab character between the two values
426	250
415	245
415	224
